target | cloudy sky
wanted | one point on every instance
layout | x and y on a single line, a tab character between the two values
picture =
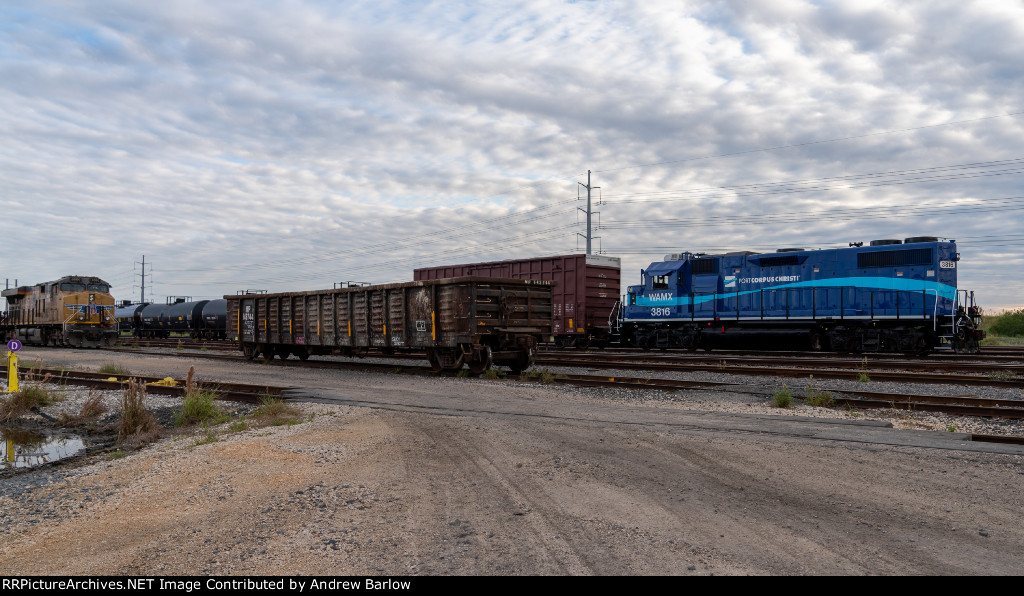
290	145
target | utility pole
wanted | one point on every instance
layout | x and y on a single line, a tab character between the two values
589	212
142	297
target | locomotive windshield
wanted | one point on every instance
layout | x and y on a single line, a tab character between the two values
68	287
99	288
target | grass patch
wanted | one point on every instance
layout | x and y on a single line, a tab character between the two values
816	397
29	396
199	405
115	370
137	425
494	374
209	437
998	340
117	454
783	398
863	377
273	411
91	411
1009	324
238	425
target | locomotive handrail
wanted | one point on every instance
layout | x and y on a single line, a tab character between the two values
935	309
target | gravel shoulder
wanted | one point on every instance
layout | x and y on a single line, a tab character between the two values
477	489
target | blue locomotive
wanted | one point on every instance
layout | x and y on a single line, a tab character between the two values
890	296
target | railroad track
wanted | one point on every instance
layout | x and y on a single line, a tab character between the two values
958	405
156	385
1011	377
177	343
970	372
1002	375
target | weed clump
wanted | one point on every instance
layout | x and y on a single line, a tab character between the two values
91	410
863	377
273	411
783	398
137	425
199	405
115	370
209	437
816	397
30	396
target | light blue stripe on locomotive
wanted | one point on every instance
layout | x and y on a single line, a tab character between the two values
666	298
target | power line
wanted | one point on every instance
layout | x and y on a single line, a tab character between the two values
613	198
935	207
808	143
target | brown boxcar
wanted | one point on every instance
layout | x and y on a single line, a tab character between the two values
582	302
472	321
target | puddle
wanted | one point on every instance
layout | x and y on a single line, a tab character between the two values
25	449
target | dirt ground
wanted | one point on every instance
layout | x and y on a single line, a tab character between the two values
411	476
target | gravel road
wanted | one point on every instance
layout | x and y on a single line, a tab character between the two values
396	475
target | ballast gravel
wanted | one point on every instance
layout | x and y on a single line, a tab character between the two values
356	490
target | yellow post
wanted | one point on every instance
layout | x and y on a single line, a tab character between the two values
12	372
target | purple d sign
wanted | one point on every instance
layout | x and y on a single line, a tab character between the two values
13	345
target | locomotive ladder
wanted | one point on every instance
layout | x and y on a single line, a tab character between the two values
957	322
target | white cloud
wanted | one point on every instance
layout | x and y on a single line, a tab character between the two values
269	144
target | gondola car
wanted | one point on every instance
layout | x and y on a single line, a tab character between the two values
462	321
890	296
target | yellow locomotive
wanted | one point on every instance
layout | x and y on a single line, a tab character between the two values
73	311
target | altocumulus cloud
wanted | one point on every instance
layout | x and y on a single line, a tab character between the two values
289	145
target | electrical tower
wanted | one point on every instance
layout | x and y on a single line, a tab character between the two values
142	297
589	211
